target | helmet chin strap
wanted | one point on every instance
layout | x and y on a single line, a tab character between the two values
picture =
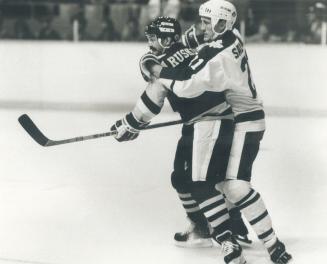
215	34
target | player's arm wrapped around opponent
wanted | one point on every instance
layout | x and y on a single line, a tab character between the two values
148	106
192	38
182	73
205	71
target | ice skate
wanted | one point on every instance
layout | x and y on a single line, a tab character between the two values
195	236
243	240
278	253
232	252
239	229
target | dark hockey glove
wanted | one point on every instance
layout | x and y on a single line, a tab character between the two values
146	62
191	38
127	128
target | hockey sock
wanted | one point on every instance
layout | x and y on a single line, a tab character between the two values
238	227
193	210
215	210
255	211
237	224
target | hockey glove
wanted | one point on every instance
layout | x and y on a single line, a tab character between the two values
191	38
127	128
146	62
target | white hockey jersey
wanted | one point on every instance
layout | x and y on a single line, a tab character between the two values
221	66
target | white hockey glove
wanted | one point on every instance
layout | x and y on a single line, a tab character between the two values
191	38
146	62
127	128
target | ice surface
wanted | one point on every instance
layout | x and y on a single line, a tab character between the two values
106	202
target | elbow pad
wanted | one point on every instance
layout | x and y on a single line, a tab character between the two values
146	62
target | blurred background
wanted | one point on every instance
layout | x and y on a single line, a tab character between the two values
124	20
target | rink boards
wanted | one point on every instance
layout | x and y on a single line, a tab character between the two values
101	76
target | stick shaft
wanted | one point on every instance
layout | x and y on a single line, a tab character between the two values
107	134
30	127
164	124
77	139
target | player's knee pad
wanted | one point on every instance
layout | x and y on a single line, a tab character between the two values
219	187
235	190
180	181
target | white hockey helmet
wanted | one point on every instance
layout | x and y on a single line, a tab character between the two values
217	10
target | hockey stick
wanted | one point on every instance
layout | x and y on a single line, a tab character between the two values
29	126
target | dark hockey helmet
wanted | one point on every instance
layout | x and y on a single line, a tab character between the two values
164	27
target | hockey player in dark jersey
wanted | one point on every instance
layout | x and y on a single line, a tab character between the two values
206	139
175	54
172	53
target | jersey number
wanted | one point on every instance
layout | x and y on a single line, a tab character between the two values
245	66
195	63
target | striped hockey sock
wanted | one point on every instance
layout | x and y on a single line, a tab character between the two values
216	213
189	204
255	211
193	210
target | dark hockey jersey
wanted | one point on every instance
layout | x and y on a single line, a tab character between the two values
177	56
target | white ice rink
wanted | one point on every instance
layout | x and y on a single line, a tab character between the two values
103	202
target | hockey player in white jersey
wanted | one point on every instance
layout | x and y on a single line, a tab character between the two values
222	66
207	136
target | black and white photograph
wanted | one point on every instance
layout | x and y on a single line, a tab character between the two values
163	131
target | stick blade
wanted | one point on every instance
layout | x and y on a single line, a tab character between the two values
29	126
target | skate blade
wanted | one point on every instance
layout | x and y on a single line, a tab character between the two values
201	243
244	242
